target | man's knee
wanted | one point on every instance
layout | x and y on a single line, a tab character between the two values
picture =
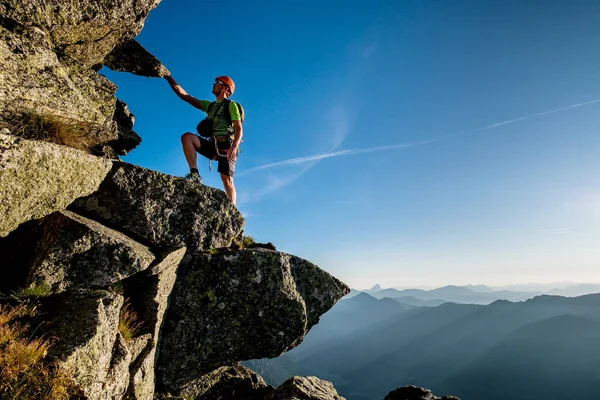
188	137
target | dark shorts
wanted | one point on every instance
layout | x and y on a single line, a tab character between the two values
208	150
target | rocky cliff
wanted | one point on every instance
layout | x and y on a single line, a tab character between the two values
129	273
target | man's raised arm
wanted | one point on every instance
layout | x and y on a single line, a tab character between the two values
183	94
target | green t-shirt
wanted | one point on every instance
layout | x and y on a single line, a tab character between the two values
220	125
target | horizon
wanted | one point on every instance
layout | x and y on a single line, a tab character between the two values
409	143
551	285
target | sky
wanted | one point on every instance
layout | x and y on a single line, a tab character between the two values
404	143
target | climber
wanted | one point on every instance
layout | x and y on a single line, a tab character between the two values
222	127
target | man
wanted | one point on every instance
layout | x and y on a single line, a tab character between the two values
225	136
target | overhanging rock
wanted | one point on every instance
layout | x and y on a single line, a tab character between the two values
238	306
82	30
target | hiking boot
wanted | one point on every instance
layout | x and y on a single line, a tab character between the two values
193	177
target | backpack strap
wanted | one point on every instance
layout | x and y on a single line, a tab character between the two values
227	113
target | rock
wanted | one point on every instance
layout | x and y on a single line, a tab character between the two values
40	178
35	85
232	307
150	294
305	388
85	325
118	372
128	139
47	51
81	30
163	210
231	383
75	252
414	393
130	56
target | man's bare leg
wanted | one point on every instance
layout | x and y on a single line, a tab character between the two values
229	188
190	144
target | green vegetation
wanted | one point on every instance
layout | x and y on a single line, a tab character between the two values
51	128
248	240
24	373
33	291
116	287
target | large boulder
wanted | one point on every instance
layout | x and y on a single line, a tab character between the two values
163	210
230	382
75	252
39	178
82	30
414	393
305	388
238	306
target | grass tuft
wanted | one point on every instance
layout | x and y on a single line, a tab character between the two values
51	128
33	291
24	373
128	322
248	240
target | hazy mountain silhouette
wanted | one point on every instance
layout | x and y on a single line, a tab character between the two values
456	294
375	288
443	347
479	288
431	357
556	358
413	301
578	290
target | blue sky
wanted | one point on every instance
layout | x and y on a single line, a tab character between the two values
405	143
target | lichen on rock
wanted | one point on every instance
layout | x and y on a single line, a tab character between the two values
163	210
40	178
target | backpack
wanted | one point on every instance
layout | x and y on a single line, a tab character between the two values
228	115
205	126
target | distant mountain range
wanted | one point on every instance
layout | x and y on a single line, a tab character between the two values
474	294
542	348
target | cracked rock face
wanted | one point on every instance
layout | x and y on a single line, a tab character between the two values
238	306
75	252
81	30
85	323
50	51
40	178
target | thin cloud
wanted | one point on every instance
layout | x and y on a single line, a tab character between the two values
511	121
350	152
555	231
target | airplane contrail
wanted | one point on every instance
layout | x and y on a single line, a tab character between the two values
350	152
510	121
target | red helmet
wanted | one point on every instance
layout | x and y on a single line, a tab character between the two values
227	81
